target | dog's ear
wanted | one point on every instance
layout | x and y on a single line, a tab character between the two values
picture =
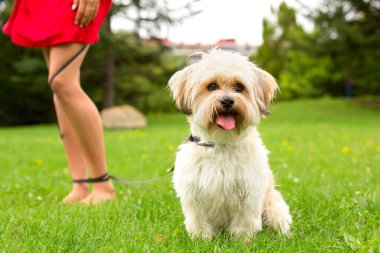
178	86
267	87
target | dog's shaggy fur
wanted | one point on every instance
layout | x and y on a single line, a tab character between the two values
223	178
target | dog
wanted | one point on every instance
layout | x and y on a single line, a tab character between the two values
222	176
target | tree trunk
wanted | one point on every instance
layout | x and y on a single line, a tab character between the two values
109	70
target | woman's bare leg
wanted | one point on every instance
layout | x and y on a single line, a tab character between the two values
81	116
75	158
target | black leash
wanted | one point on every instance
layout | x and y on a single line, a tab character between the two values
67	63
191	138
107	177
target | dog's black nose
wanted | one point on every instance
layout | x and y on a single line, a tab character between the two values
227	102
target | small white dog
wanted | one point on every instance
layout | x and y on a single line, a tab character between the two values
221	174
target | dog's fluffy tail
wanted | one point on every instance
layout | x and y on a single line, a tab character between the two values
276	211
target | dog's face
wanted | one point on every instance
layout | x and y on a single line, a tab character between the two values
223	91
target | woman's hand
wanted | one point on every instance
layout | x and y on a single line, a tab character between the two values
86	11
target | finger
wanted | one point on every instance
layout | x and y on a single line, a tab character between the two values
75	5
96	12
90	10
80	14
88	14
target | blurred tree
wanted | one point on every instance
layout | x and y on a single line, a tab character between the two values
149	16
142	69
272	55
285	53
341	54
349	32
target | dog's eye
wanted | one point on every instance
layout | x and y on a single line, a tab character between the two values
212	86
238	87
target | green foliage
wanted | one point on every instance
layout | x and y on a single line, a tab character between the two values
325	155
142	73
342	48
284	54
142	70
349	31
25	97
299	78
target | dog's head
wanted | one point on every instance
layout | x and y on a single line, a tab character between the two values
224	91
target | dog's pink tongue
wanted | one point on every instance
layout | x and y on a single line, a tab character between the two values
227	122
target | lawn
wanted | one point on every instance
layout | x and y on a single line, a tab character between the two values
325	154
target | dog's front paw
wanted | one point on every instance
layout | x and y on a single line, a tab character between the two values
248	229
276	213
196	230
206	234
193	227
282	222
279	219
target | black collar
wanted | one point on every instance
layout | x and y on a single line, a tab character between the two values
197	141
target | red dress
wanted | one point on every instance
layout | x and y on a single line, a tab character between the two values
43	23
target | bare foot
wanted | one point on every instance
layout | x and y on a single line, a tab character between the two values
101	192
78	193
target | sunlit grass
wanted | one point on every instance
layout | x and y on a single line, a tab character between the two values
325	155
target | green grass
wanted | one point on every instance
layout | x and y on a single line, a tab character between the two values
325	154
